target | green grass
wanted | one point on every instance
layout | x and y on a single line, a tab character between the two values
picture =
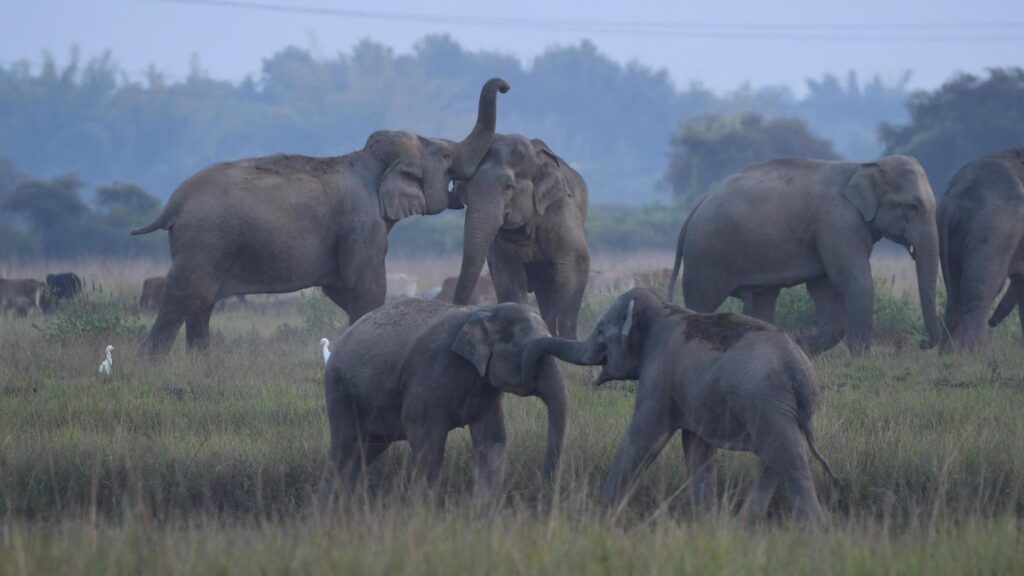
208	464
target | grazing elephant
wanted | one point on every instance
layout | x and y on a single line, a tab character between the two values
416	369
525	212
724	380
792	221
981	239
23	296
282	223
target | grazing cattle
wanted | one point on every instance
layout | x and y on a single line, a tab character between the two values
152	288
482	294
63	285
23	296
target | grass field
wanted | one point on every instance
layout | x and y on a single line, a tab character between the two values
207	464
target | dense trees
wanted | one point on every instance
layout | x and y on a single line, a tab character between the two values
966	118
708	149
612	121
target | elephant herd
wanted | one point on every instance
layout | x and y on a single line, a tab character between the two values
415	369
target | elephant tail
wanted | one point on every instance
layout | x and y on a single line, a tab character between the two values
163	221
680	243
806	401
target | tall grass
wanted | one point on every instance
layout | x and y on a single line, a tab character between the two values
207	464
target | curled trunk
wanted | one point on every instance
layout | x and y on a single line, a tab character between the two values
471	151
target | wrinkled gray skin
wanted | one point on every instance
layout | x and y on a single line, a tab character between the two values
796	221
416	369
525	212
282	223
724	380
981	234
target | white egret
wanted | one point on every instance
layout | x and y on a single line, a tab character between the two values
108	363
326	345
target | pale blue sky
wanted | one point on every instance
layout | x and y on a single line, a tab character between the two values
727	42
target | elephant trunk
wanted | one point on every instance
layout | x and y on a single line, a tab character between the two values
471	151
551	390
582	353
927	261
482	225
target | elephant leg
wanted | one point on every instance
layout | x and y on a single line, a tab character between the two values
779	443
983	278
1006	305
828	305
756	506
489	440
190	289
197	330
700	468
542	281
704	294
362	285
648	432
1018	286
427	446
571	281
345	445
760	304
508	275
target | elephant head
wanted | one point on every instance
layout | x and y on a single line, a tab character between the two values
418	170
614	343
517	181
896	201
493	340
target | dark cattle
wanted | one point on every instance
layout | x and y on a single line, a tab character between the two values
63	286
23	296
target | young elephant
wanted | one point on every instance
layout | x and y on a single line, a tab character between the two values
416	369
724	380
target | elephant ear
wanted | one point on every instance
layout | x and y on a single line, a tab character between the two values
548	183
863	191
401	191
473	342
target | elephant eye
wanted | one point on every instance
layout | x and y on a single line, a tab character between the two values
447	155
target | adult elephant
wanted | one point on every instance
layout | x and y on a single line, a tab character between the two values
284	222
981	237
791	221
525	213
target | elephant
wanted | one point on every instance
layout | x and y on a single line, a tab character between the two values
285	222
415	369
790	221
981	241
525	212
152	289
725	381
483	292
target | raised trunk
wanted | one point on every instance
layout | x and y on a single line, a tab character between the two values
470	151
582	353
482	224
927	260
551	390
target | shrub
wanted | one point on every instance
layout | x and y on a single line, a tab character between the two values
322	316
93	315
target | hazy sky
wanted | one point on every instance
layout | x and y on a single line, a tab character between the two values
721	44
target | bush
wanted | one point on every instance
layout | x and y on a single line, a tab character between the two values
322	316
93	316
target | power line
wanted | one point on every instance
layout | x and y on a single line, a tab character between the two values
992	31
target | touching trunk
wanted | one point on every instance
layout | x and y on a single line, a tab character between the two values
551	390
927	261
583	353
470	151
482	224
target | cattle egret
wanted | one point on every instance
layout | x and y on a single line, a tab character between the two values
107	363
326	345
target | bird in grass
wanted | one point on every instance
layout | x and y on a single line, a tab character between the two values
108	363
326	345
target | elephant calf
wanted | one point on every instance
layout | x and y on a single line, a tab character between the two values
723	380
416	369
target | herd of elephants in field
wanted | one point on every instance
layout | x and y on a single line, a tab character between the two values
415	369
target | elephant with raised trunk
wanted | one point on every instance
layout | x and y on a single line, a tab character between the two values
525	213
415	370
282	223
981	234
796	221
724	381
